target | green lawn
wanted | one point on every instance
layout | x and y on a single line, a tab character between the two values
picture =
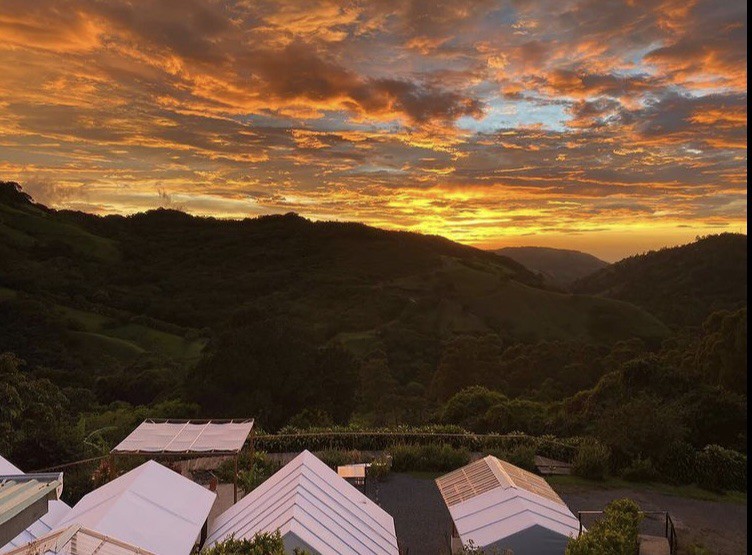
573	483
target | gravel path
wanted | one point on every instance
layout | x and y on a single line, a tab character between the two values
421	519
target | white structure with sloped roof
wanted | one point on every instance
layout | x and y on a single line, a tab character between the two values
497	505
56	511
314	509
76	540
150	507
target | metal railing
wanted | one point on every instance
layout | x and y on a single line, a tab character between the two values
669	529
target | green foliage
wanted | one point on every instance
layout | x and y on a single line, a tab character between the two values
681	285
336	457
468	407
640	470
721	469
380	467
678	463
522	456
592	460
36	427
614	534
518	415
270	368
252	470
310	418
430	457
261	544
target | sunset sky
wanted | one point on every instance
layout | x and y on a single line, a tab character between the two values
606	126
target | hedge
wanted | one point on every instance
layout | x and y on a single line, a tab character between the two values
713	467
350	438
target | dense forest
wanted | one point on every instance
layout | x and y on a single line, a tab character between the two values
106	320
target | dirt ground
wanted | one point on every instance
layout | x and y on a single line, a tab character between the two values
719	527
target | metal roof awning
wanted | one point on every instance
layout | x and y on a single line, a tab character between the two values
24	499
186	437
76	540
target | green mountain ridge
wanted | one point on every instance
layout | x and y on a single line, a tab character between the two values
681	285
559	267
341	279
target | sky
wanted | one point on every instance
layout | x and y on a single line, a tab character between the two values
607	126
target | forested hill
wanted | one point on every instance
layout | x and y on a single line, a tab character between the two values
559	267
681	285
349	281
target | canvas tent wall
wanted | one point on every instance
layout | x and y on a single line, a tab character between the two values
188	438
151	507
314	509
497	505
56	510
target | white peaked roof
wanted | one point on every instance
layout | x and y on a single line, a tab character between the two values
7	467
55	512
186	437
491	499
151	507
307	501
75	540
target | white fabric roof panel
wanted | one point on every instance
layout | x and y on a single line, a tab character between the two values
75	540
308	501
487	510
7	467
56	511
186	437
151	507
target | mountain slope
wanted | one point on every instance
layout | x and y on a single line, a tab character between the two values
558	266
366	287
681	285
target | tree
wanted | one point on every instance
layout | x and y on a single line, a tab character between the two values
378	390
468	407
36	427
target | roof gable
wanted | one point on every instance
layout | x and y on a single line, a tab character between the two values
151	507
309	500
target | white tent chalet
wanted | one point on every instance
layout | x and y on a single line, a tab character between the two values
56	510
75	540
497	505
150	507
314	509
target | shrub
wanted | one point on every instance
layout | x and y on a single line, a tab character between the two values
380	467
522	456
678	464
640	470
721	469
616	533
592	460
310	418
337	457
252	471
428	457
261	544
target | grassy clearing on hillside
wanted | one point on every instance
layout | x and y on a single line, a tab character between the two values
97	346
25	227
575	483
96	333
480	301
141	338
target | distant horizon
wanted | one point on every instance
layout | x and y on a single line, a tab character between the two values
612	247
608	127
